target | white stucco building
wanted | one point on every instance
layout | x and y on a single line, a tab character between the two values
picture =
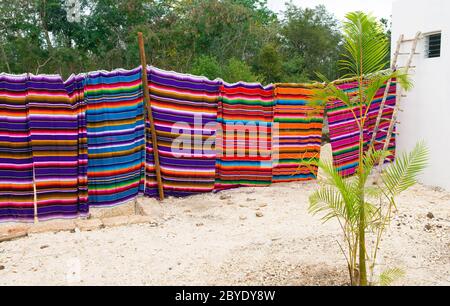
427	106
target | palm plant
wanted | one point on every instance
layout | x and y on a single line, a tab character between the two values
360	206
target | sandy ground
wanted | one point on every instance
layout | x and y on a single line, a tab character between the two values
249	236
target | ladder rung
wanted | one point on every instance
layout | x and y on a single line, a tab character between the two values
406	53
409	39
389	107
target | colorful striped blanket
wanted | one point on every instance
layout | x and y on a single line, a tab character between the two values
344	135
42	135
16	159
115	129
298	140
244	137
184	109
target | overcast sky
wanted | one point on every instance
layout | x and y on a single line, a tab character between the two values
380	8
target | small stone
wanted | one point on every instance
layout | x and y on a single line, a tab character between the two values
2	267
44	246
414	256
428	227
242	218
199	224
262	205
249	200
430	215
259	214
225	197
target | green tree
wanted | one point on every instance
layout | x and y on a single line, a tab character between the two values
206	66
237	70
268	64
312	34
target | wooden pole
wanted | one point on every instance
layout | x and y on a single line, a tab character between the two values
148	109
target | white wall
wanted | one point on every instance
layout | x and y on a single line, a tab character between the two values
427	106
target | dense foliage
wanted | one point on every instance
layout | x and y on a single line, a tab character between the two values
232	39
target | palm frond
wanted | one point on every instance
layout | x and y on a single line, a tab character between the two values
389	276
403	79
404	172
374	84
328	200
345	187
320	97
365	44
373	192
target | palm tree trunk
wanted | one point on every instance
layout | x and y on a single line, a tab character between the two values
362	217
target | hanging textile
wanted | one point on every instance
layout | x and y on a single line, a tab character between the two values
75	91
55	116
344	132
115	129
299	136
16	159
42	140
244	138
184	109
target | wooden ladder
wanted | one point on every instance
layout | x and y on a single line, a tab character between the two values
399	94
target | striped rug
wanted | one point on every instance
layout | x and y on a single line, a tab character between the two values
115	129
16	159
344	135
298	140
42	133
244	138
58	139
184	108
